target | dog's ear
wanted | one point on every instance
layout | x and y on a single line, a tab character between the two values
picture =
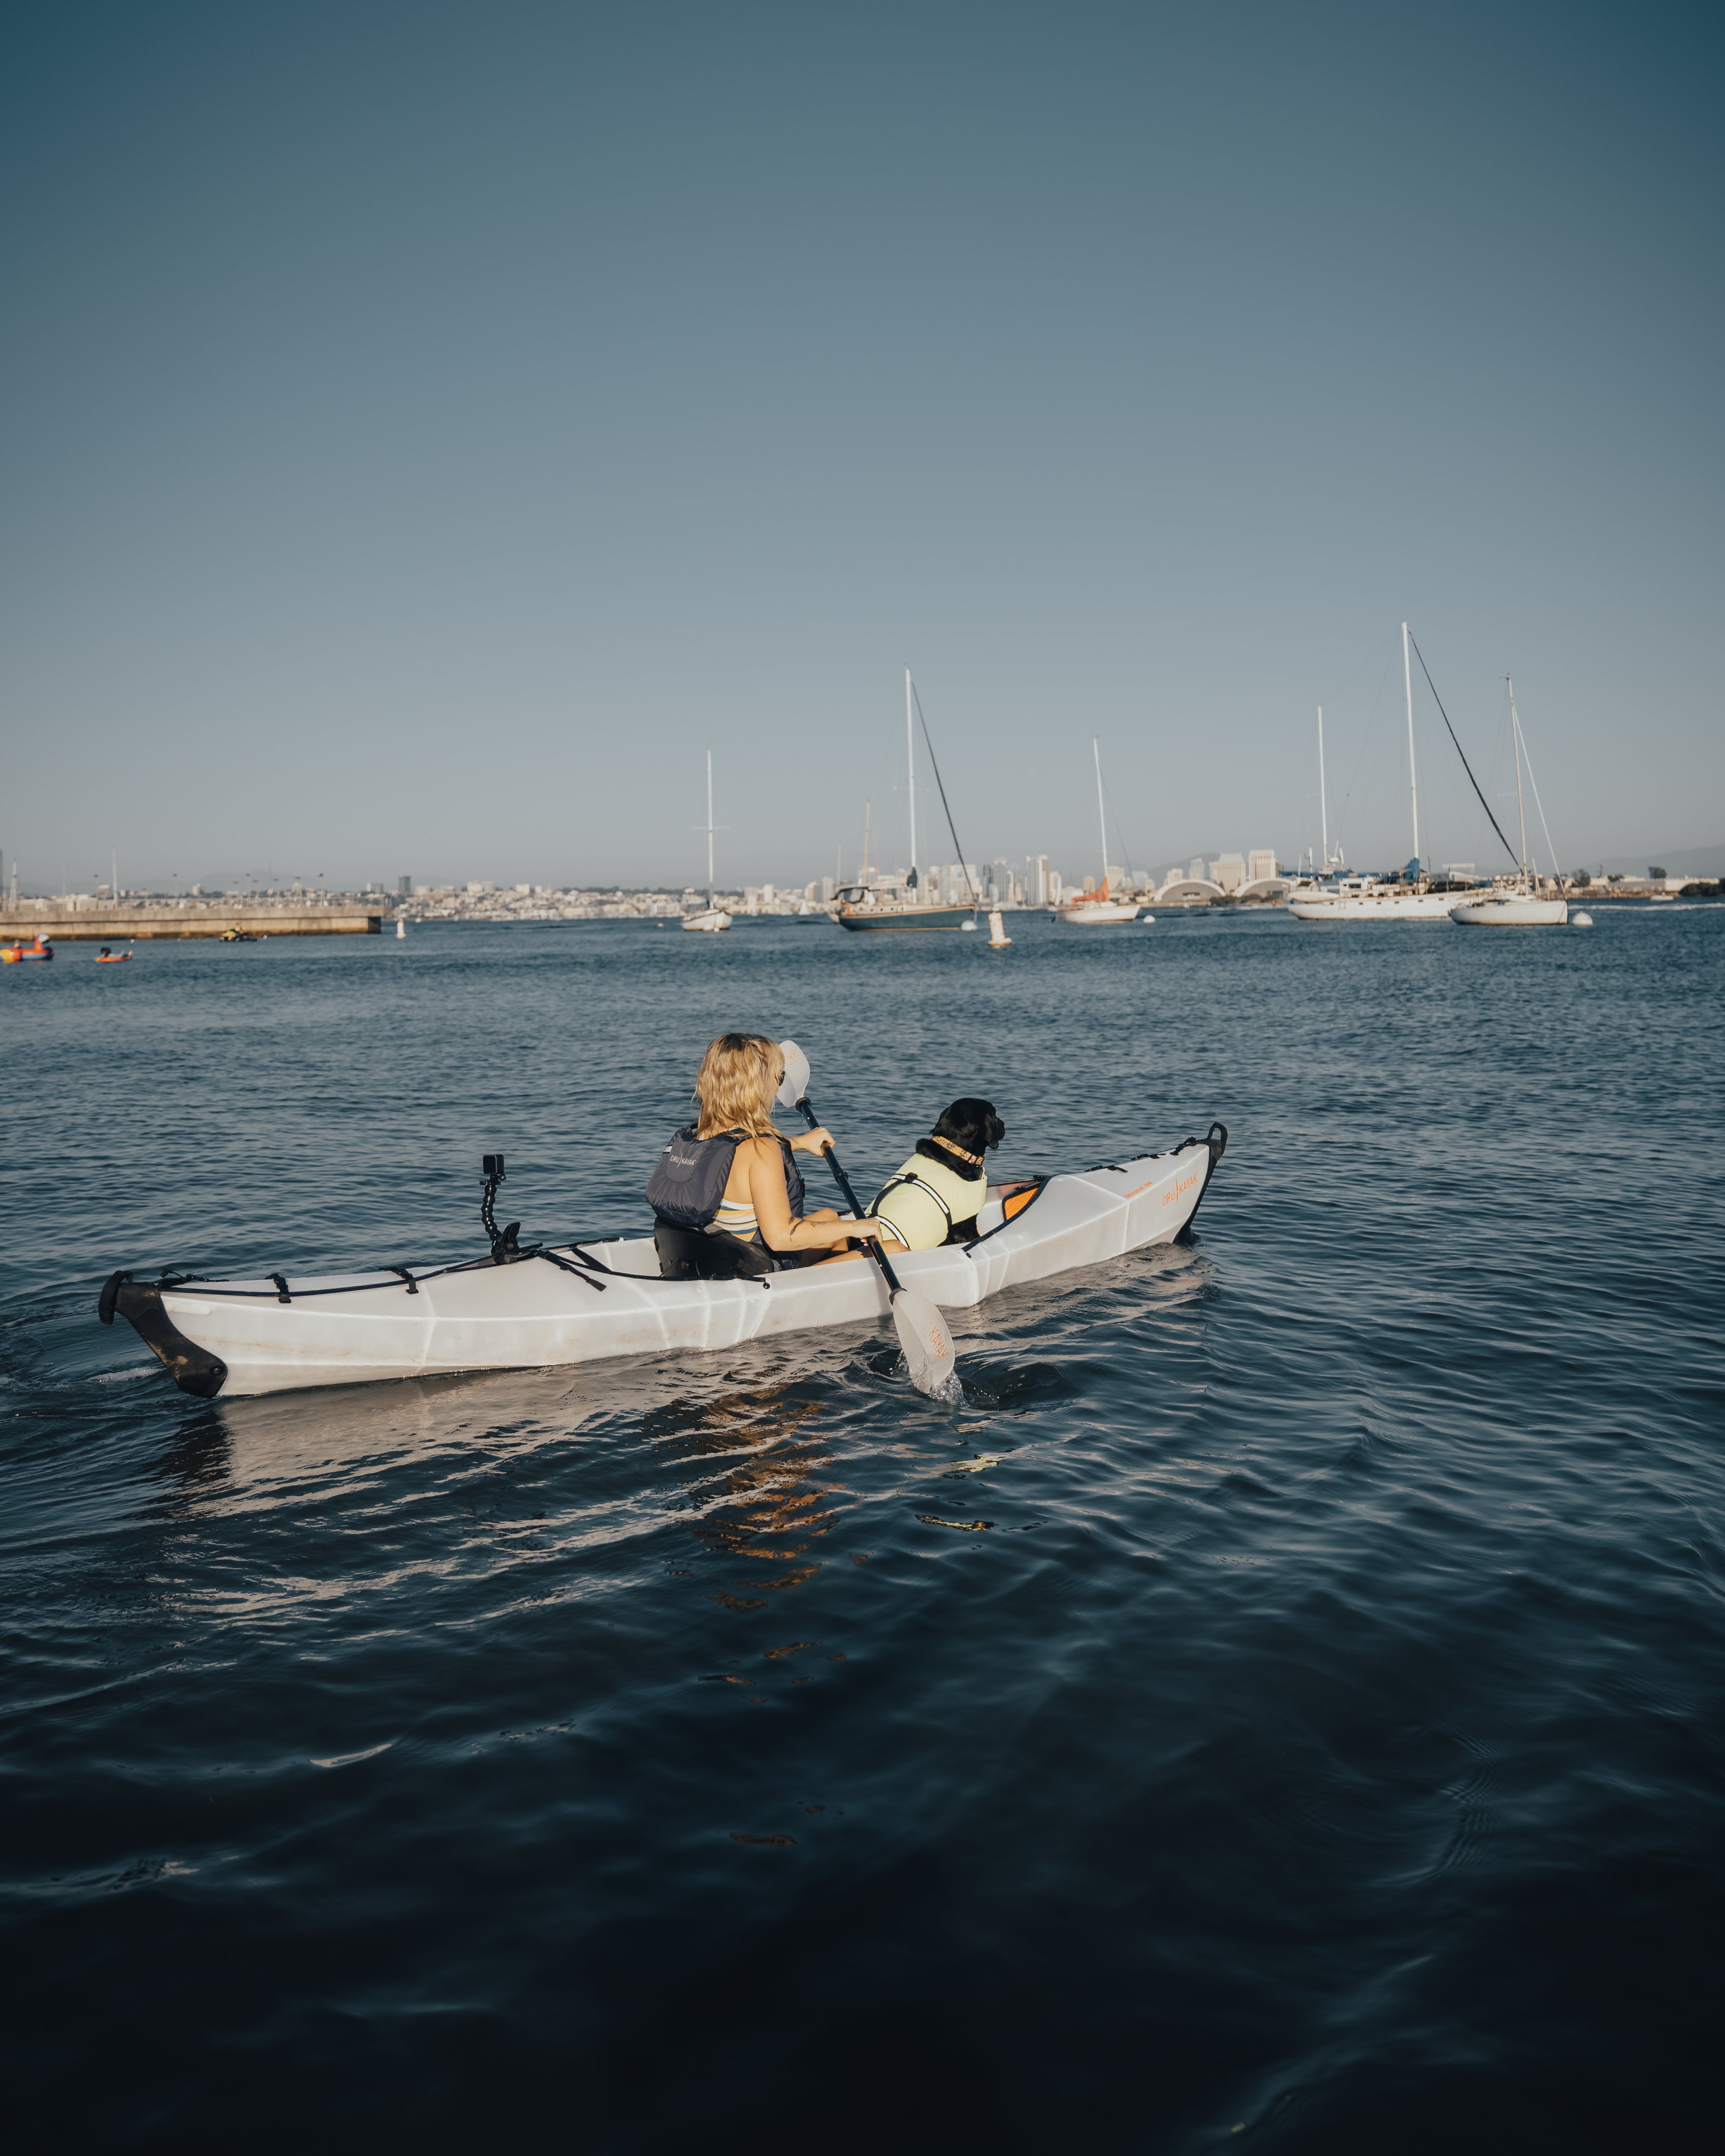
997	1131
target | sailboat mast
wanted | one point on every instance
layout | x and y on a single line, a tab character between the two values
1413	779
862	873
709	830
1323	806
1101	814
1515	742
911	766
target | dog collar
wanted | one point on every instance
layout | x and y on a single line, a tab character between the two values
974	1158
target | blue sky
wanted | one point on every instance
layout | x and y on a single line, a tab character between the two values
427	428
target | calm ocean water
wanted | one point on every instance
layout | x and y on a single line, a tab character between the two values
1279	1707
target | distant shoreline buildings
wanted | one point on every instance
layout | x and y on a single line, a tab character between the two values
1254	878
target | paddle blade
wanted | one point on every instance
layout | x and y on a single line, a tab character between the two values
929	1354
796	1075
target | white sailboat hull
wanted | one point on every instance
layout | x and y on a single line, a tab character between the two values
233	1337
1098	913
1513	912
1374	905
708	922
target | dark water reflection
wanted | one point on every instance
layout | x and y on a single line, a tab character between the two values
1278	1706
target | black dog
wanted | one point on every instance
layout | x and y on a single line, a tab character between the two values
970	1127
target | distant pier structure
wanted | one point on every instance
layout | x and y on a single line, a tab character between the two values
145	921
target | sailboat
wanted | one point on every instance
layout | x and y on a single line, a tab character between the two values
711	918
1369	898
1514	901
900	906
1323	883
1097	909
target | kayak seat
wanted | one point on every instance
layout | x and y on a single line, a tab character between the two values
686	1254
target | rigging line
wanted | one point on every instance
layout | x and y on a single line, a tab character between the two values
1119	833
974	899
1460	752
1537	803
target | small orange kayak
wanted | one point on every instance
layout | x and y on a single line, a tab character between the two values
104	957
15	954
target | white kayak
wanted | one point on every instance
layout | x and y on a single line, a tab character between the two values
579	1302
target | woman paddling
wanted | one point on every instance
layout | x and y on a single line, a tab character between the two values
726	1195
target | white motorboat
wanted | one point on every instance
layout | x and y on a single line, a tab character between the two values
579	1302
1097	909
711	918
1514	902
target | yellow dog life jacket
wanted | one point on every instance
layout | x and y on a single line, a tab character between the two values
925	1198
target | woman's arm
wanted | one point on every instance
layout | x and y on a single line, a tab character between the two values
772	1208
815	1140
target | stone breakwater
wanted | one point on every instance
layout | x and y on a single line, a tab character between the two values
126	924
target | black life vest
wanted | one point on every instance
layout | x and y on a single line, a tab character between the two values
687	1184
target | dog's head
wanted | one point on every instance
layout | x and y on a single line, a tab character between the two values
972	1126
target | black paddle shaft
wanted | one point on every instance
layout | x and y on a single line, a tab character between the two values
843	1181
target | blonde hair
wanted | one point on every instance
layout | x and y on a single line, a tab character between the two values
735	1085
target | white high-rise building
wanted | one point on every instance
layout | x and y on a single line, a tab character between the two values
1228	871
1036	880
1197	871
1261	862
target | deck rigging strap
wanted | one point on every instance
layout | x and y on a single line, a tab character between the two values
564	1265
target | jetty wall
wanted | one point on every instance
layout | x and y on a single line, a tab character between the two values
126	924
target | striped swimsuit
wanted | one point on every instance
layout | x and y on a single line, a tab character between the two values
736	1217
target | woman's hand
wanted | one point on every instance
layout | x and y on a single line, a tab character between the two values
815	1140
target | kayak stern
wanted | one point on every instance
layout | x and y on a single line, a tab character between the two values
194	1369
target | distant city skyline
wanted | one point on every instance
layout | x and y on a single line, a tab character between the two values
430	432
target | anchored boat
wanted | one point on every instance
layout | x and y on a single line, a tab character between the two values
524	1308
711	920
1098	908
896	907
1515	902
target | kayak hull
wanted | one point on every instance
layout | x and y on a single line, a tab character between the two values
238	1337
